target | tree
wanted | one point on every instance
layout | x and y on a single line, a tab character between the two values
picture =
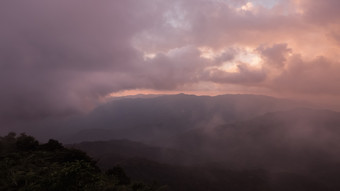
26	143
8	143
52	145
77	175
27	165
118	175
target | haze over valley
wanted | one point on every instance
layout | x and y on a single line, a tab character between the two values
146	95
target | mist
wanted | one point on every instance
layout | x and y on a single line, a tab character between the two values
246	86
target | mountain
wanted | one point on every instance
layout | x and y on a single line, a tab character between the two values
293	140
156	120
298	140
142	163
116	151
266	144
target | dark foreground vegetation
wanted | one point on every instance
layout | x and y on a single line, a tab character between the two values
28	165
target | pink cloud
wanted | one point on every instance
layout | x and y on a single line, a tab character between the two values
61	56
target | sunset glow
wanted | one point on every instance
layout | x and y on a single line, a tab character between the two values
81	52
170	95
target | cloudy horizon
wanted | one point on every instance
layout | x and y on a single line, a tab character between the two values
62	57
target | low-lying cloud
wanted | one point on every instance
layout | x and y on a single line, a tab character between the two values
62	57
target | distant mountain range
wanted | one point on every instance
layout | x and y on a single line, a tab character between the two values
172	168
295	139
158	119
118	151
282	144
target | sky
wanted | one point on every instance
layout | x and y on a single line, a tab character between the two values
66	56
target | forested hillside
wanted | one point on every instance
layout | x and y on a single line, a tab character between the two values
28	165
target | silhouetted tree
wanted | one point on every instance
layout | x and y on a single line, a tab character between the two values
8	143
26	143
52	145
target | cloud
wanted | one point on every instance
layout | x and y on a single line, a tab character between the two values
274	55
321	12
62	57
318	76
58	56
243	75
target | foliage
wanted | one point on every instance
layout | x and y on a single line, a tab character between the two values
119	175
27	165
